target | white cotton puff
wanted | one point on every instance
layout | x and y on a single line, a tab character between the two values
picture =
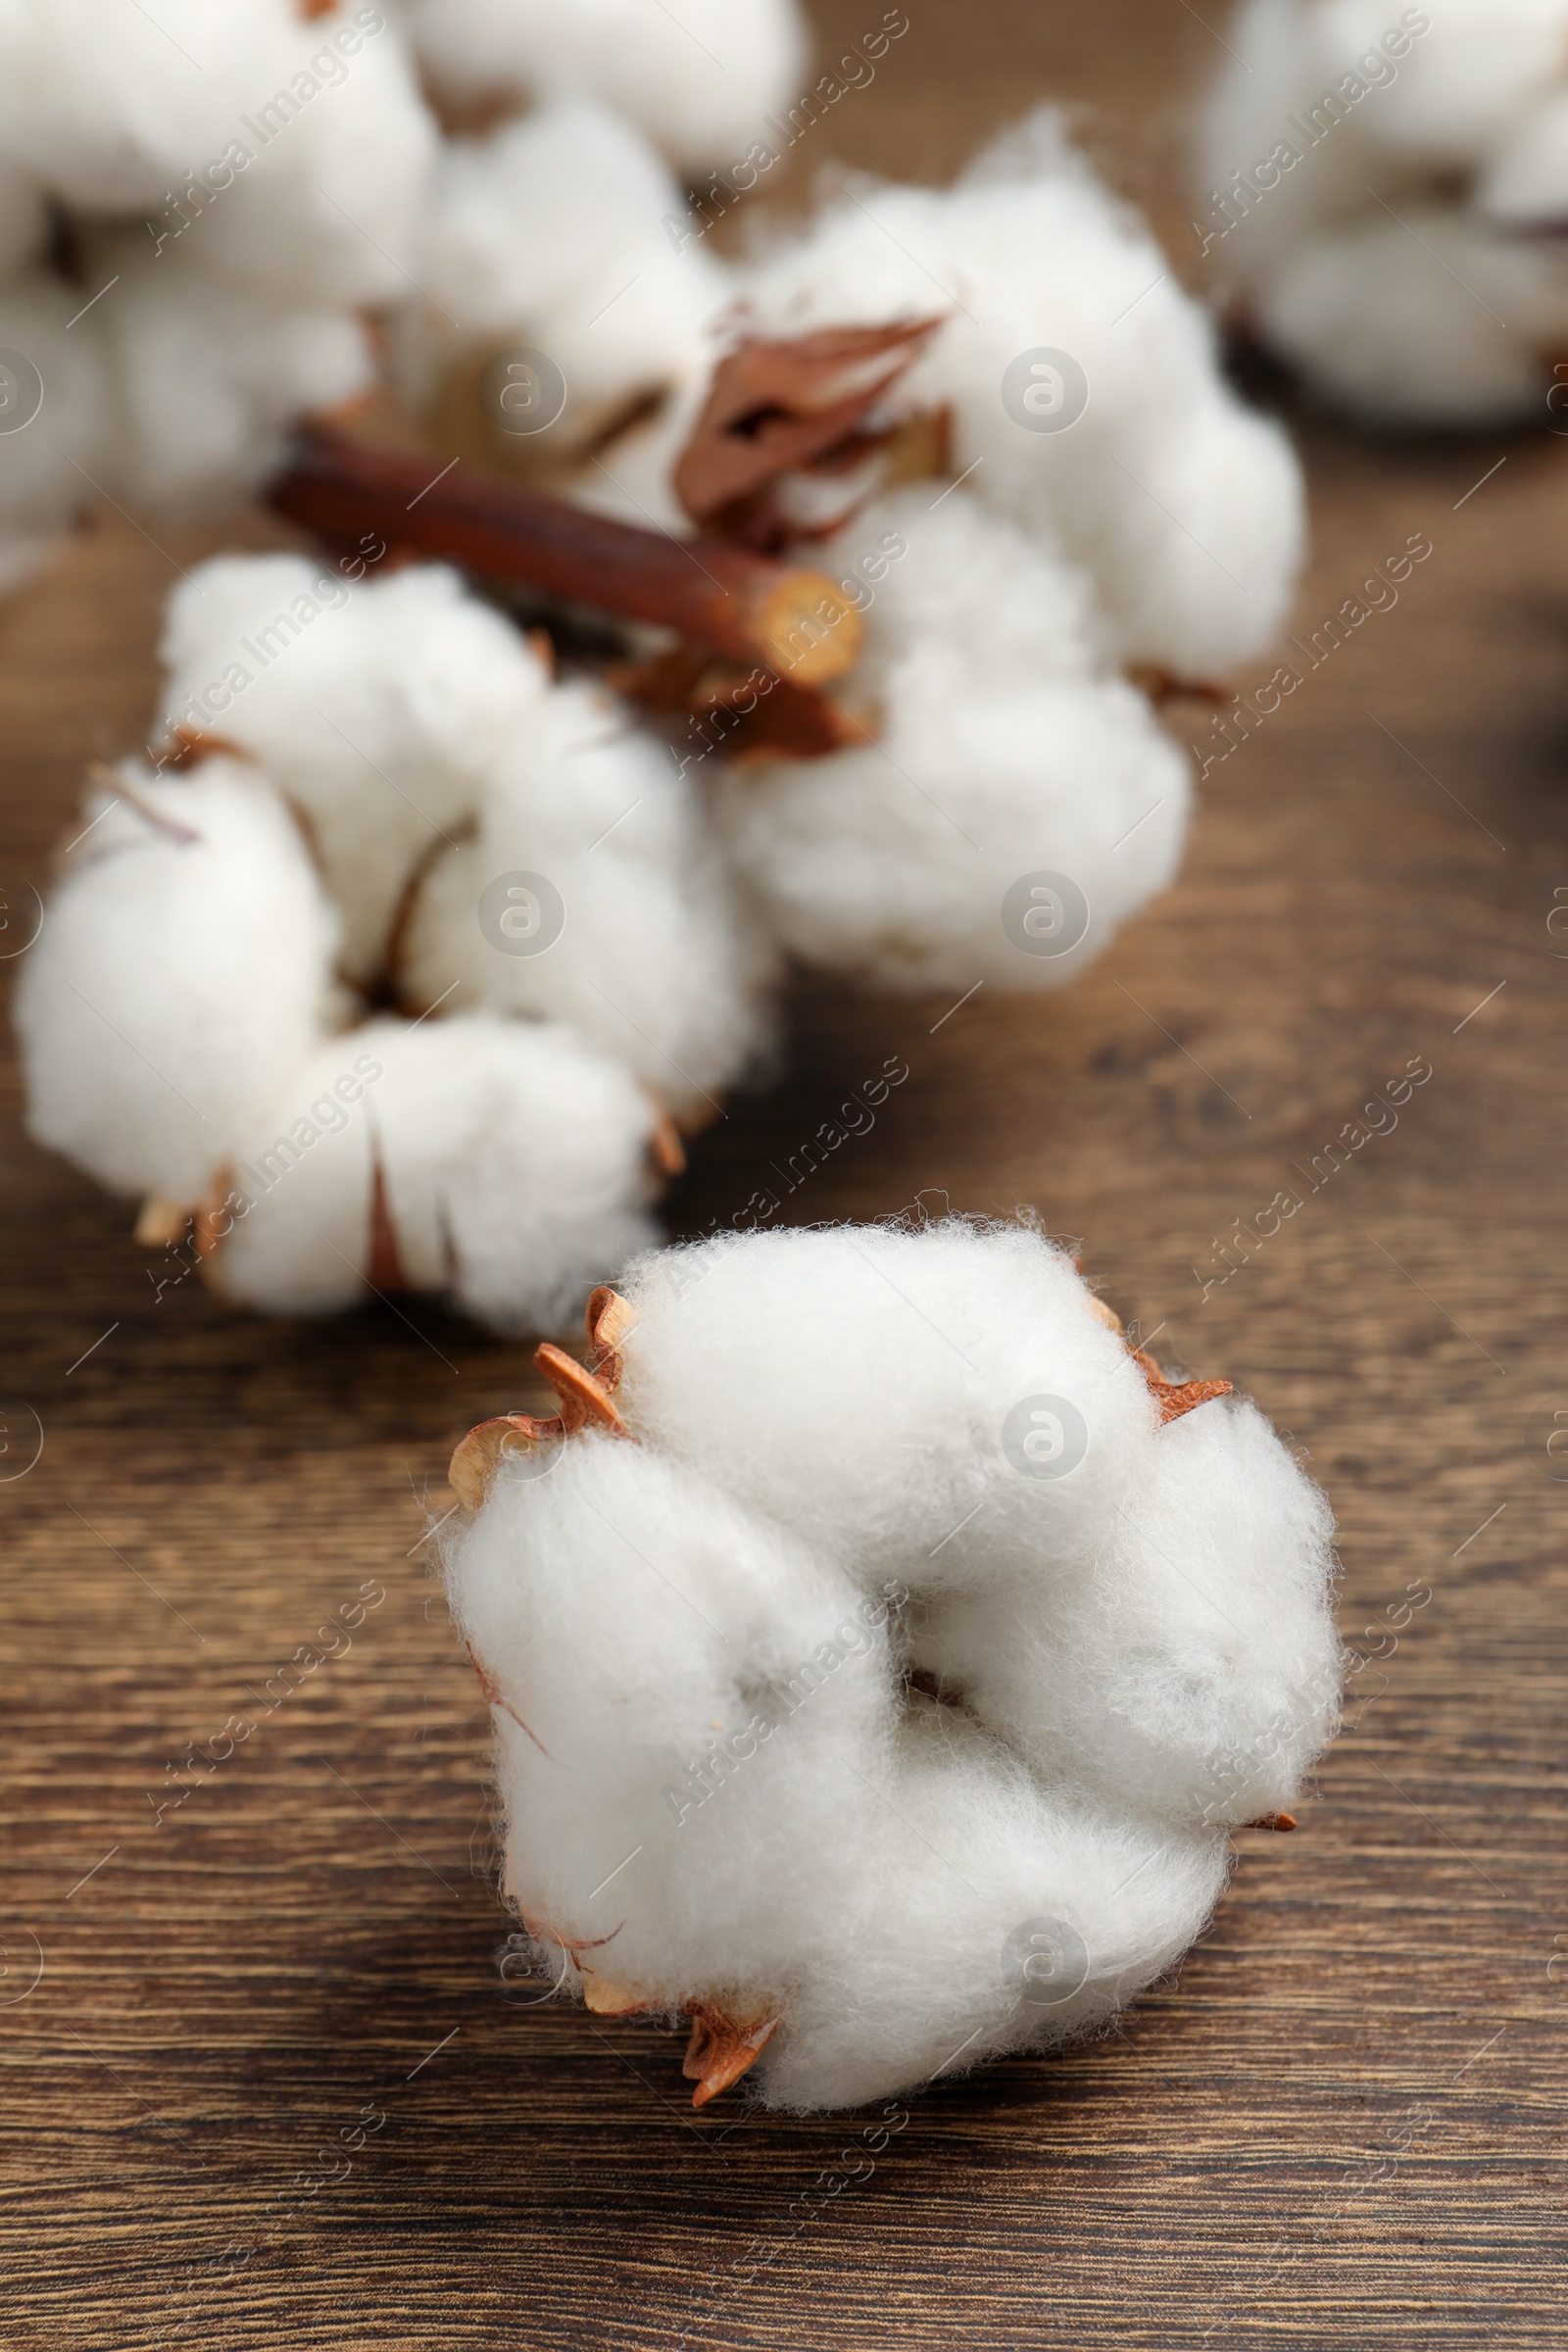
699	80
181	974
207	377
49	466
379	705
108	104
720	1788
514	1162
1371	318
1473	67
655	961
327	210
1371	187
1184	506
551	233
1007	751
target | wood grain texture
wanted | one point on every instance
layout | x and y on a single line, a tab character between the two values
1343	2126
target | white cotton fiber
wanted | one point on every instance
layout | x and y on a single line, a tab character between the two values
655	963
207	377
1005	749
699	78
378	704
513	1164
326	211
812	1466
1184	509
50	464
181	975
1379	193
550	234
109	103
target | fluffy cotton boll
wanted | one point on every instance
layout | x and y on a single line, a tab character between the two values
1001	755
1524	186
695	1602
1472	68
1371	192
700	83
1184	509
1198	1669
381	705
108	105
209	376
326	211
513	1166
1381	326
949	1331
180	975
636	940
54	447
550	234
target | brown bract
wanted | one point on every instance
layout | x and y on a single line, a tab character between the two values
587	1400
779	407
722	2048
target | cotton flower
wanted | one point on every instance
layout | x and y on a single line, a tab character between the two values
1382	197
881	1654
990	795
404	806
1004	749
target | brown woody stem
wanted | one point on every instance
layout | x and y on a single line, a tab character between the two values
792	620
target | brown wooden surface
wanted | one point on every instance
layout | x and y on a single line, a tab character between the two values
1344	2126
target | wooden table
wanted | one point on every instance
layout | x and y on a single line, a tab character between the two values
1343	2124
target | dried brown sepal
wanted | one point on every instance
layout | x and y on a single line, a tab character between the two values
1271	1821
472	1469
778	408
721	2050
605	1998
1177	1396
384	1269
610	1321
584	1398
465	418
664	1146
189	746
396	937
1163	686
160	1222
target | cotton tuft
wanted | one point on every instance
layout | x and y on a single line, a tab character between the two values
1380	195
881	1654
382	791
